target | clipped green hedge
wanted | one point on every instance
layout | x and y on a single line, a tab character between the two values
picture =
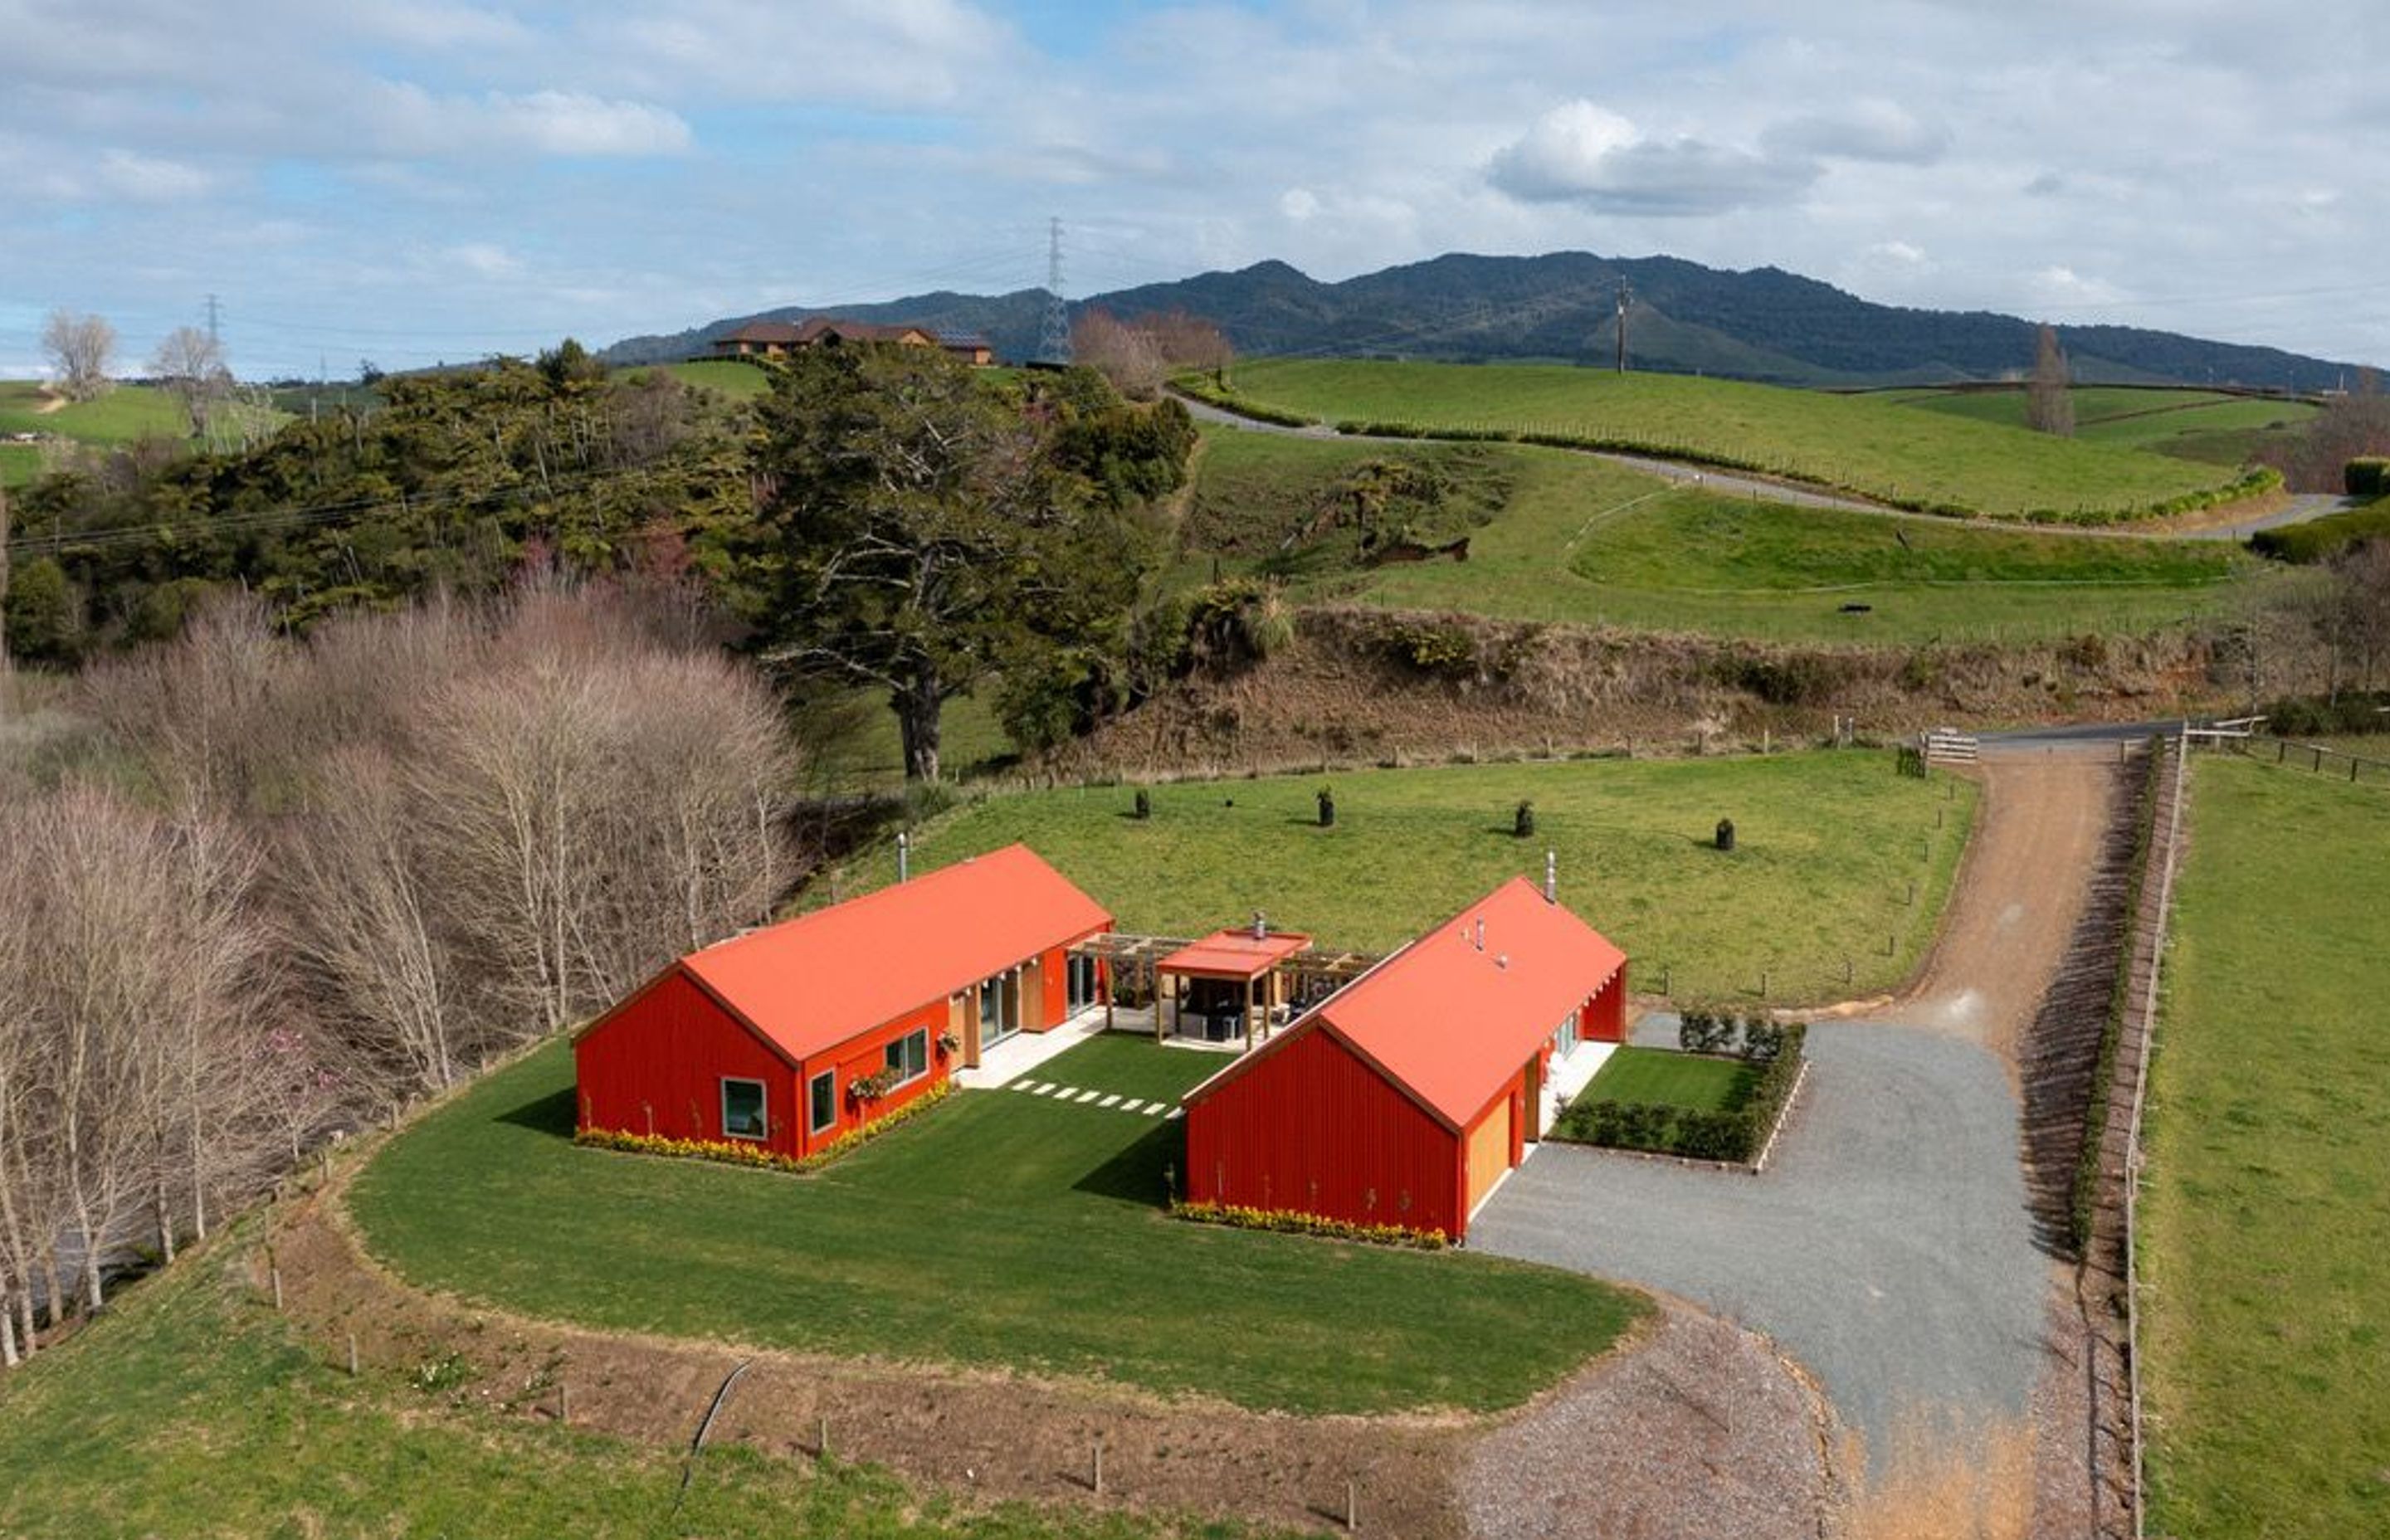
2367	476
2321	539
1733	1138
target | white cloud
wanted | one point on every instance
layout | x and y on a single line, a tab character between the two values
1864	131
145	178
1298	204
1582	153
1899	252
485	260
406	120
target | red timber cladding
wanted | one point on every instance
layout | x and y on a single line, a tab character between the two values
1604	1020
867	1054
1313	1113
656	1066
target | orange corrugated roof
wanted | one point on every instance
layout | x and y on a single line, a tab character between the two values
812	982
1452	1024
1235	954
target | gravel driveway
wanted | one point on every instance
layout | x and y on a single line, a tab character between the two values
1888	1248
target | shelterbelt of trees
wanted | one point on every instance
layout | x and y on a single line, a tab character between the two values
881	516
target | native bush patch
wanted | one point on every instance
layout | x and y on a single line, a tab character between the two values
2319	539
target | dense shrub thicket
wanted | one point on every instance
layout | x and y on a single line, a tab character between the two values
2321	539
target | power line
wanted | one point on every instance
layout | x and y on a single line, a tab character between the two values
1054	336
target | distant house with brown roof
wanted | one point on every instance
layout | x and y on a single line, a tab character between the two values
779	339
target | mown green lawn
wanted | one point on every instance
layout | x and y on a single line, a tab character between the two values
1827	844
1003	1230
1130	1065
1573	538
189	1411
2266	1214
20	463
1661	1077
1877	448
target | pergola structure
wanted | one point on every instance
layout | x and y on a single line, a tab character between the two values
1239	971
1292	971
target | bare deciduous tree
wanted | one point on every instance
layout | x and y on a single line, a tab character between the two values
1124	354
2048	408
363	925
81	348
190	364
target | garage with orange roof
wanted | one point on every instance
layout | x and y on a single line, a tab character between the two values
1405	1097
792	1035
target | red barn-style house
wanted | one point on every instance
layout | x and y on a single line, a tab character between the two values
1404	1097
798	1032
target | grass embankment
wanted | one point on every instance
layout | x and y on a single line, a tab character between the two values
1003	1230
1827	844
125	414
1662	1078
2266	1208
1558	537
1875	448
189	1410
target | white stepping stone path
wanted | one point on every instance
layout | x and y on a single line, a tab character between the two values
1113	1100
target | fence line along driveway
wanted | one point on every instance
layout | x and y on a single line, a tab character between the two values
1889	1249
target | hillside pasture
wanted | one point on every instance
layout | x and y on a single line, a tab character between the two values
738	380
1001	1231
1569	538
124	414
190	1409
2132	418
1828	843
1870	447
2265	1211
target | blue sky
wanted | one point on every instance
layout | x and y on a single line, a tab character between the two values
421	180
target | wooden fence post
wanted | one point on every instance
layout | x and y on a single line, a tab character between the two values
1351	1507
1099	1466
276	1274
821	1437
563	1402
352	1356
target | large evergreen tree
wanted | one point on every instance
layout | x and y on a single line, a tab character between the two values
930	529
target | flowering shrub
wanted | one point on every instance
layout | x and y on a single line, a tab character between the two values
1295	1222
740	1152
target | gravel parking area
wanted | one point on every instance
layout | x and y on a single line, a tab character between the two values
1611	1452
1888	1250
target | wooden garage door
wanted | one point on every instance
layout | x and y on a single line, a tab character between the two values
1489	1152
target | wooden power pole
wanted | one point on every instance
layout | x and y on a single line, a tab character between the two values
1622	325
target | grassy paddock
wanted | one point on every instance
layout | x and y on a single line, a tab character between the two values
2267	1213
124	414
1875	447
1573	538
1003	1230
1828	844
738	382
1657	1076
189	1411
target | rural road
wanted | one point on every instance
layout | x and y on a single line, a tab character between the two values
2297	509
1889	1248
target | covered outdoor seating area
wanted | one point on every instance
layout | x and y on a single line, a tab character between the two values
1230	989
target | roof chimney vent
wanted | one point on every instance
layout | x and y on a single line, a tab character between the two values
1261	926
1503	961
1481	932
1552	876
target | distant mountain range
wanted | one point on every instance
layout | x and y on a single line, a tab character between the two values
1682	317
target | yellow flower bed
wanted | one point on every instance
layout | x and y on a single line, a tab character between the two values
1295	1222
739	1152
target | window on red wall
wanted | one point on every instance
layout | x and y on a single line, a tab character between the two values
909	1055
742	1109
821	1109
